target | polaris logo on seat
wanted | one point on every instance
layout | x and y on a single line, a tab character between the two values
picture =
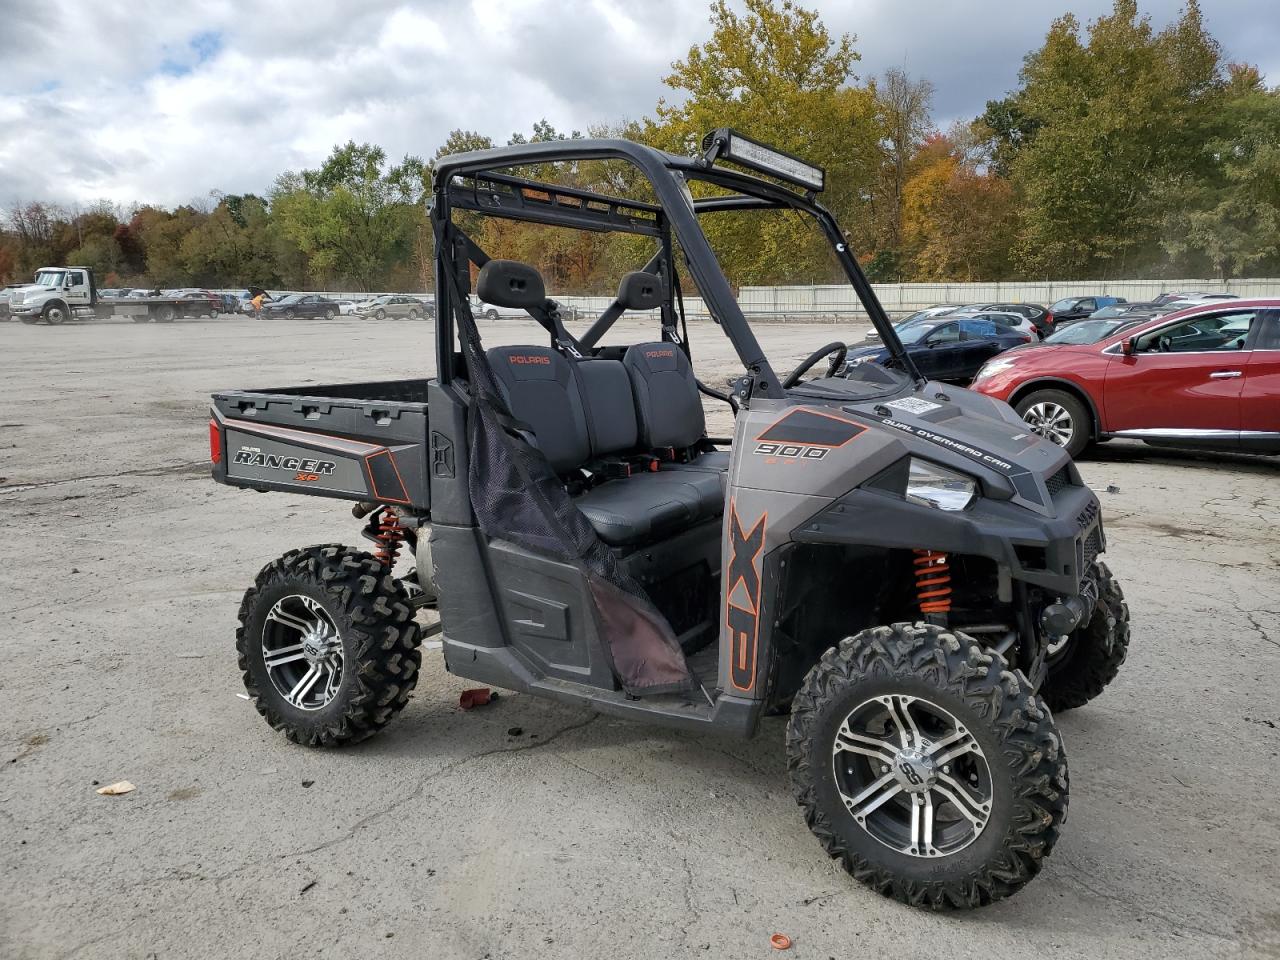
275	462
655	354
534	358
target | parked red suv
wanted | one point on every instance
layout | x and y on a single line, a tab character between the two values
1207	376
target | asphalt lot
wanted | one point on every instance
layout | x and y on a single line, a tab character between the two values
122	569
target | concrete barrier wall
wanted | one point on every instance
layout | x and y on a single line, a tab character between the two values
838	301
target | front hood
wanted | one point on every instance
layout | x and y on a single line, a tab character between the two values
26	293
973	433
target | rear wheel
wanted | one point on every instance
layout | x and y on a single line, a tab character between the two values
1058	416
1082	664
415	315
927	766
165	313
328	645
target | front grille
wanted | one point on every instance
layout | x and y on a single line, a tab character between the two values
1092	546
1059	481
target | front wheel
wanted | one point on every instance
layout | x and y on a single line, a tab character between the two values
291	314
55	313
1057	416
927	766
491	314
328	645
330	314
380	314
1081	664
415	315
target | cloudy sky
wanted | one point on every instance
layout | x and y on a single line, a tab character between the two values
165	100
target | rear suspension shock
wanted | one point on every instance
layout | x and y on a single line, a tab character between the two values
933	581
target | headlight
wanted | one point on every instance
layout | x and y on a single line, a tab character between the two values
992	367
936	486
868	358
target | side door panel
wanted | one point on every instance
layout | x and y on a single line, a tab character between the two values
1260	394
1193	389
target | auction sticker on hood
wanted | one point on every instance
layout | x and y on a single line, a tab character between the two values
913	405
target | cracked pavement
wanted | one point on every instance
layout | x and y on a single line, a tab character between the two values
584	836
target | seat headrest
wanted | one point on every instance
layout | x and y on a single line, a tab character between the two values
640	291
509	283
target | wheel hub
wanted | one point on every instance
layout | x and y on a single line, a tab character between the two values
915	772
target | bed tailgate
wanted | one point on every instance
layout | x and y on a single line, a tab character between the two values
330	446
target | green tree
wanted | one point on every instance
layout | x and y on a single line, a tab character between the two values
1231	217
355	216
777	74
1118	118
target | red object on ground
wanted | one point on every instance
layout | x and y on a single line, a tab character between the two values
780	941
475	697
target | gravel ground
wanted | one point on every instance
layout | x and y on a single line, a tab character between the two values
584	836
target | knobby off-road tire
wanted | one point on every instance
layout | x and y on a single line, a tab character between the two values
378	639
1091	656
1006	725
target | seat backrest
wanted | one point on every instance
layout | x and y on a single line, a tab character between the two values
611	410
668	408
541	389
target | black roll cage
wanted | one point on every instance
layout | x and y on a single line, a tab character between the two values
473	182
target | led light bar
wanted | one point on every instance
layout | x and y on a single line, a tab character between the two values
757	156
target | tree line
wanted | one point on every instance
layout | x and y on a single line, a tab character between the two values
1124	151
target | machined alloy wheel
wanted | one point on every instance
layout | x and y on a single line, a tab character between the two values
302	652
912	776
1051	421
291	314
380	314
330	314
1058	416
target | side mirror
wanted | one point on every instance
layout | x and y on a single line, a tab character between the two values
1130	347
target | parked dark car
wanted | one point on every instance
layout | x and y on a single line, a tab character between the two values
202	303
945	348
1071	309
301	305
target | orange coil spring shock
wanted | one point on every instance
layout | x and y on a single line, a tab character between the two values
389	535
933	581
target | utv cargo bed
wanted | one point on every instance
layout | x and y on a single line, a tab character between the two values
353	441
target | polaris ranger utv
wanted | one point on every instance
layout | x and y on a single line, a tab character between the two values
904	566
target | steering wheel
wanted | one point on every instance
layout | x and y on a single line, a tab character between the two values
840	350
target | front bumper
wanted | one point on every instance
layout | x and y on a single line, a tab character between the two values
1053	553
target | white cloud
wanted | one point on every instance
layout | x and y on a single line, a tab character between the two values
163	101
